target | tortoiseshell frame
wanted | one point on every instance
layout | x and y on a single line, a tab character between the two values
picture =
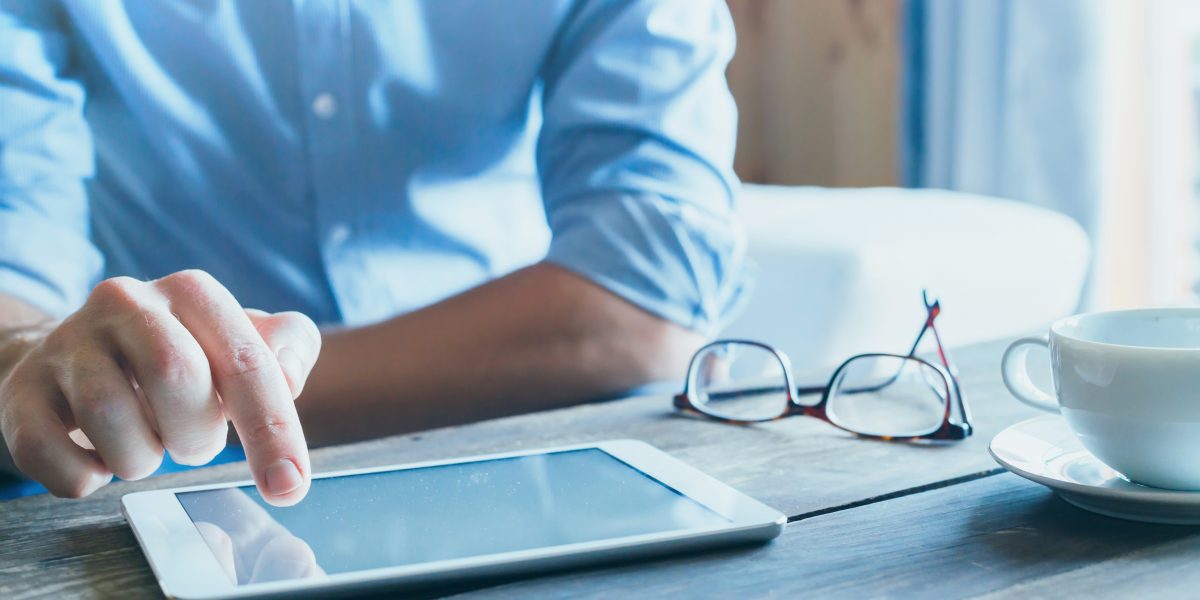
949	430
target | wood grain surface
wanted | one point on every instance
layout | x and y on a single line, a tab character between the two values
53	548
999	536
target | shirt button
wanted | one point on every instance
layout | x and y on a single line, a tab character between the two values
324	106
339	234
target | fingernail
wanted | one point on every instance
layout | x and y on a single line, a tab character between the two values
283	477
293	369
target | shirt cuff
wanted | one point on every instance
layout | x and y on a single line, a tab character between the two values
676	261
44	266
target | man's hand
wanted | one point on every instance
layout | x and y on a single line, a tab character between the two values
145	366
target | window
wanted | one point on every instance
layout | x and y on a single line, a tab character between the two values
1148	247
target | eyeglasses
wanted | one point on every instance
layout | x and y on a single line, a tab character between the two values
877	395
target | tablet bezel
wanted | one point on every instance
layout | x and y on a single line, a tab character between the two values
186	568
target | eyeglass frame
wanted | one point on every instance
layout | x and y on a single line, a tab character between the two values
947	431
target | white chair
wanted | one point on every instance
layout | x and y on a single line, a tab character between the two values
840	271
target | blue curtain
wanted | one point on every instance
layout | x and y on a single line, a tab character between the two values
1001	98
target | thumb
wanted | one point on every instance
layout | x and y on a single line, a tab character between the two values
294	339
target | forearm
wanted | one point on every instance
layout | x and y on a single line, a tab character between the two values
539	338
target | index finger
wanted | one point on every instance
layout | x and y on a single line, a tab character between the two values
250	382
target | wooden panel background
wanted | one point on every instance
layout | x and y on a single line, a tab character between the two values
817	86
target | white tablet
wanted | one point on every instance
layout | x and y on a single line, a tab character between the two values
438	522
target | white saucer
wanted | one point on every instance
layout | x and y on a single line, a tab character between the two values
1045	451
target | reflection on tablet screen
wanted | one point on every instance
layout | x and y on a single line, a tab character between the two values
437	513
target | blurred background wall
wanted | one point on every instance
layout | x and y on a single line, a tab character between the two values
1085	107
818	89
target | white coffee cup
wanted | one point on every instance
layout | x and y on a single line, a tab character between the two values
1128	384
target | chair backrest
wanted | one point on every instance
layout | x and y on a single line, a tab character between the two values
840	272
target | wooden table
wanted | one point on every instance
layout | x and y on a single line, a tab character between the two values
867	518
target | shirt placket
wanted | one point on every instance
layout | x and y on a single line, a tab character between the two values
326	83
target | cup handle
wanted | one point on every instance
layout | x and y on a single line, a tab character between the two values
1016	377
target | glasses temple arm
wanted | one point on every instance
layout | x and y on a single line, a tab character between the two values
952	369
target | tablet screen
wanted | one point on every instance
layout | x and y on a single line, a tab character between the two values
437	513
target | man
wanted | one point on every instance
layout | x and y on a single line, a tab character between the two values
492	207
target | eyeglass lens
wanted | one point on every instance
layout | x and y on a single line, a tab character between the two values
888	396
739	381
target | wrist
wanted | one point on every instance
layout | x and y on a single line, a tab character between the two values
17	342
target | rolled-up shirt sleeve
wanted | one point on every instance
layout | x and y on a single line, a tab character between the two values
46	256
635	156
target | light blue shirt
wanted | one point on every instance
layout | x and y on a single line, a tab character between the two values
356	160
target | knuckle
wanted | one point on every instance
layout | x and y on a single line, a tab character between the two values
192	458
271	428
93	406
175	369
140	466
117	293
197	449
192	282
246	360
76	487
